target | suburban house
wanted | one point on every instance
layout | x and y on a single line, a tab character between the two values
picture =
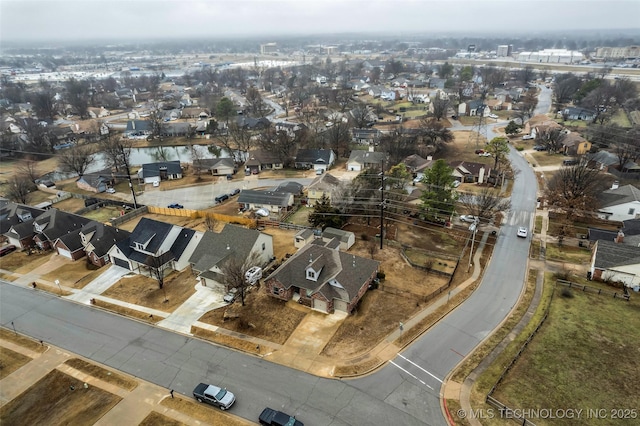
628	233
233	241
616	263
163	170
274	202
619	203
577	113
323	279
574	144
54	224
469	172
97	181
602	160
16	223
137	128
289	128
316	159
260	159
416	164
360	160
473	108
216	166
155	247
70	245
366	136
291	187
346	238
323	185
98	238
98	112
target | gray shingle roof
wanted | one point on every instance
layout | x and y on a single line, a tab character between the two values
324	182
59	223
104	236
621	195
215	247
348	271
367	157
610	254
153	169
150	229
314	156
268	198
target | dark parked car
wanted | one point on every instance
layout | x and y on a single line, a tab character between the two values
7	249
270	417
539	148
221	198
175	206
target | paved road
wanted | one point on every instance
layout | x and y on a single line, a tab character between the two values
412	381
544	100
179	362
202	197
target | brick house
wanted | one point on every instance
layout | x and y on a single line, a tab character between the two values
323	279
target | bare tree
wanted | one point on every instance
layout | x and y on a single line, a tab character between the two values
156	123
210	223
484	204
440	107
257	105
435	133
233	272
18	188
279	143
116	152
197	155
76	160
157	269
360	116
29	168
77	96
574	189
551	138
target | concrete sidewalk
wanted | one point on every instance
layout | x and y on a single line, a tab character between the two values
99	285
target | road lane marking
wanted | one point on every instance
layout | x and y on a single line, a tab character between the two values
408	360
421	381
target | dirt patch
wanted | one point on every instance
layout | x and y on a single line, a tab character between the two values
75	274
21	340
360	368
377	315
102	374
203	413
235	340
262	316
58	399
51	288
282	241
144	291
71	205
10	361
104	214
156	419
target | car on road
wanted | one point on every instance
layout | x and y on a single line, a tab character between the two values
221	198
495	117
271	417
522	232
469	218
7	249
111	191
234	192
230	296
214	395
175	206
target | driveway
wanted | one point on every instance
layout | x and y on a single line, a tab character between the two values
202	301
99	285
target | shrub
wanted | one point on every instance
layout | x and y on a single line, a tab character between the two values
381	275
566	292
364	237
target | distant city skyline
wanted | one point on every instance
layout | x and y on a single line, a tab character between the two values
143	20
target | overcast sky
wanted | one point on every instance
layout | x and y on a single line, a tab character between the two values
49	20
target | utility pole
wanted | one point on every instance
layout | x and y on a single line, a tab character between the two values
125	160
473	239
381	203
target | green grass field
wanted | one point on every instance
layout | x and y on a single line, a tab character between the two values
583	357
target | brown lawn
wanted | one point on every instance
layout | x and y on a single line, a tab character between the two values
20	262
71	205
282	241
144	291
203	413
10	361
102	374
58	399
21	340
262	316
75	274
156	419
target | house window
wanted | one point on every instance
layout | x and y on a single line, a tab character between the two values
311	274
632	211
276	290
139	246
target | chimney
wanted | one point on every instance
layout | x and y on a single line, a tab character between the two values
429	157
371	148
620	237
615	184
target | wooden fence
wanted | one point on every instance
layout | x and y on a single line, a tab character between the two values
594	290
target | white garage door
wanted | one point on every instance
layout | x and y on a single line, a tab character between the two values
65	253
340	305
320	305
